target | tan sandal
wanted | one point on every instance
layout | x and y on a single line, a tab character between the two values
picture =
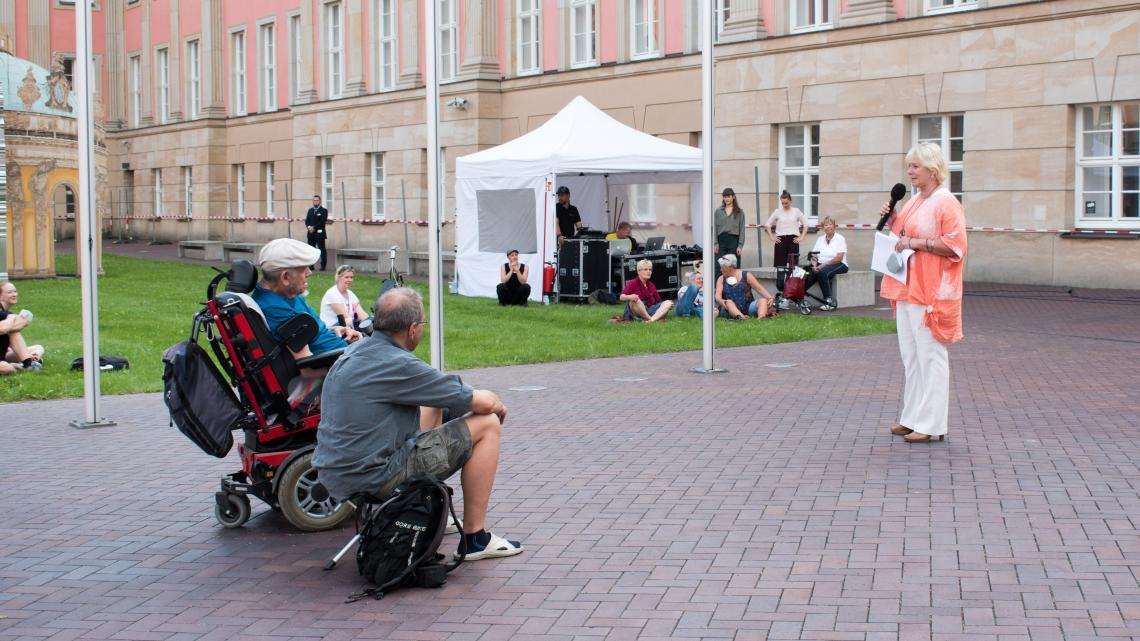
921	438
901	430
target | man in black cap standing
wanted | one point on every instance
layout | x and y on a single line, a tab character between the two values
315	220
569	220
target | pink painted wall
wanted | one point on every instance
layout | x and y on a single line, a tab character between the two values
22	29
189	18
607	32
248	14
549	35
159	22
132	28
674	21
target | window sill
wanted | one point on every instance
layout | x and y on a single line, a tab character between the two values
827	26
938	11
1101	234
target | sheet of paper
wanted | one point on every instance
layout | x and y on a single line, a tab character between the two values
884	249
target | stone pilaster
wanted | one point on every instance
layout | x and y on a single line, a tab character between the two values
480	41
146	58
745	22
174	58
411	74
355	49
39	32
306	89
116	61
867	12
213	59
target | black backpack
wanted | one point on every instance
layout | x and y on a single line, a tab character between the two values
202	405
399	538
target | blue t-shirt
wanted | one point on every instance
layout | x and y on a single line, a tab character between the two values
278	309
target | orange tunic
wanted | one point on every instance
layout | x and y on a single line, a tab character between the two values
933	281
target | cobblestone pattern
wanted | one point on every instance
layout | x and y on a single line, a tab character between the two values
766	503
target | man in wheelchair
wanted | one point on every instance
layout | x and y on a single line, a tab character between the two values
381	411
286	265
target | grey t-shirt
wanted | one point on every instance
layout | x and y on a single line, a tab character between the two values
370	413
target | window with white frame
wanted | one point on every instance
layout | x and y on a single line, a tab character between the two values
448	47
722	14
386	44
528	23
643	29
162	82
377	174
947	133
811	15
799	166
583	33
642	203
946	6
325	166
294	57
267	175
237	73
334	42
1108	165
193	79
239	178
156	177
267	36
188	191
135	90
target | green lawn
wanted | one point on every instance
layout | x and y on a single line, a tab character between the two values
146	305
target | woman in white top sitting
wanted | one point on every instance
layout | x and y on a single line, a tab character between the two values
828	258
339	306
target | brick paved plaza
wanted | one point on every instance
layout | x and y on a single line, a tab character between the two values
768	503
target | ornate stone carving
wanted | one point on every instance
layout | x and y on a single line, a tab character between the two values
29	90
16	204
41	199
59	89
102	195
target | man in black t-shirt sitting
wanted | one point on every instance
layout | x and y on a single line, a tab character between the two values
569	220
15	354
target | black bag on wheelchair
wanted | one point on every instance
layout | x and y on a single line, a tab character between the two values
202	405
400	538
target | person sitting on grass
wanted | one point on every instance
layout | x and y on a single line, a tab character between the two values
642	302
734	291
286	265
15	354
690	298
381	423
512	288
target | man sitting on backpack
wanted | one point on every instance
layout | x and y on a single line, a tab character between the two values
380	423
286	265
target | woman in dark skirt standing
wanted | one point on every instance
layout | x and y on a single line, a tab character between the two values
729	225
786	227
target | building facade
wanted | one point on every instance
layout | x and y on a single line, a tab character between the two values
224	118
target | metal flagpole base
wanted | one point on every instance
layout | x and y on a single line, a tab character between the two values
84	425
704	370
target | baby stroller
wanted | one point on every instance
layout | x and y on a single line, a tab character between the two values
279	427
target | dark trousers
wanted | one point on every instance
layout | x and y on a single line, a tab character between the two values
727	244
823	277
317	239
513	296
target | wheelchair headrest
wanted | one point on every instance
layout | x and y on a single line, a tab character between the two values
242	277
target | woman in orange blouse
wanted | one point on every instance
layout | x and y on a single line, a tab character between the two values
928	308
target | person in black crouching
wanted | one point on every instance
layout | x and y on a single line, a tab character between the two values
512	289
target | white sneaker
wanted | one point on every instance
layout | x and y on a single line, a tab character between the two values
496	547
785	304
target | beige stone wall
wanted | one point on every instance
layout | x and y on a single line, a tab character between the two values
1014	71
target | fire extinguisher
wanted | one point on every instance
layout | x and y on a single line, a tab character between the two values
548	280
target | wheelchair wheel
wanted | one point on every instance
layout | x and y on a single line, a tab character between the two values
805	309
305	502
235	513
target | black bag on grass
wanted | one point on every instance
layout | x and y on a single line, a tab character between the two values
399	539
202	405
105	362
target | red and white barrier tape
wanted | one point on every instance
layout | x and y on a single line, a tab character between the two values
451	221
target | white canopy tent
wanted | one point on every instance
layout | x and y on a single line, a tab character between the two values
505	195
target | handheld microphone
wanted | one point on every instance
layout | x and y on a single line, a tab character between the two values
897	193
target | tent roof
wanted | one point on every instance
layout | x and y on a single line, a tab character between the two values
580	138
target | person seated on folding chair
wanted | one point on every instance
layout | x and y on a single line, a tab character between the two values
380	423
286	265
829	258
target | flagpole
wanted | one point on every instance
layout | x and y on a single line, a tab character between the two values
435	267
85	239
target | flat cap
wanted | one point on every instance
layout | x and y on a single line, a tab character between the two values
283	253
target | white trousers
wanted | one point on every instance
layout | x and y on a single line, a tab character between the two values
926	397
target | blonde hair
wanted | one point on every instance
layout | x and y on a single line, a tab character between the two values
644	262
826	219
930	156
